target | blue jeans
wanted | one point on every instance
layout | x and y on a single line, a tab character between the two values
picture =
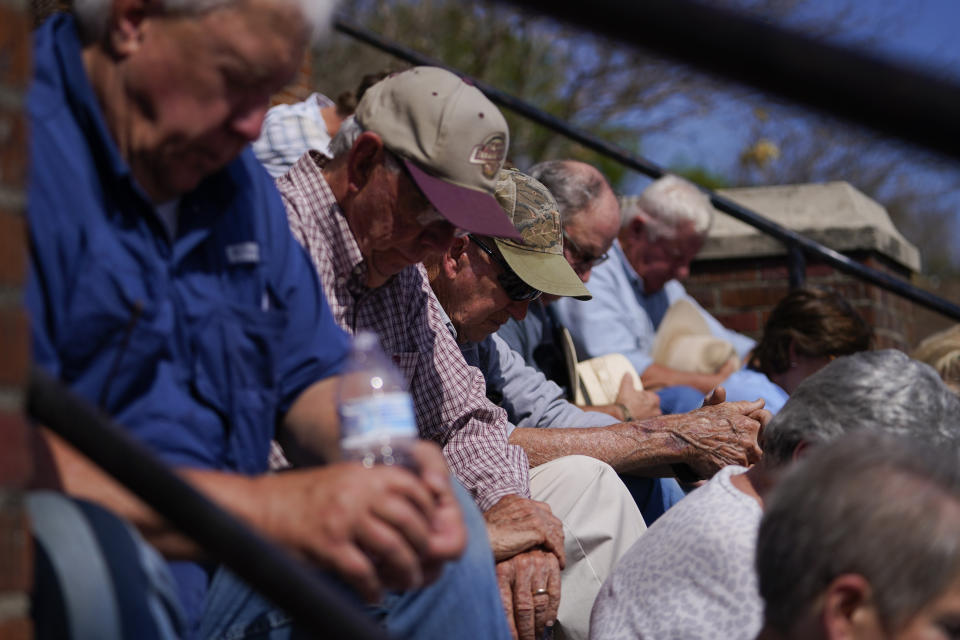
463	602
679	399
653	495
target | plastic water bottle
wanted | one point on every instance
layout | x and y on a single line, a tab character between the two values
377	423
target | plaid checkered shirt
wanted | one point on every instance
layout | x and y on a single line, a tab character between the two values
450	396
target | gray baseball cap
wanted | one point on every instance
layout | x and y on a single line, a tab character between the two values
451	139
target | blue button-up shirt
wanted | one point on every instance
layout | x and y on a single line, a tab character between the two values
623	318
198	345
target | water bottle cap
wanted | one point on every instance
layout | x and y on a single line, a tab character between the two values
365	340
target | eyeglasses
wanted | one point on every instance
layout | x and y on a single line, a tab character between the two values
580	257
516	289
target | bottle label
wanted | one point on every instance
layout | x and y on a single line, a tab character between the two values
380	417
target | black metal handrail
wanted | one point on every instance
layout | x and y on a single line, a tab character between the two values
911	104
318	607
792	240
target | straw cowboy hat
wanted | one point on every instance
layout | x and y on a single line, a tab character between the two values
684	342
597	380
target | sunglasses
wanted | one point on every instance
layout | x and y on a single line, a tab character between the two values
516	289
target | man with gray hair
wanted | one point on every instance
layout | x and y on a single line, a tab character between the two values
661	231
166	289
413	168
691	575
860	541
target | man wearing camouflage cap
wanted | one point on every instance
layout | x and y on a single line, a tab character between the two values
477	283
415	164
483	282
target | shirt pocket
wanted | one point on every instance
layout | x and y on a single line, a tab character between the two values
112	330
235	372
406	363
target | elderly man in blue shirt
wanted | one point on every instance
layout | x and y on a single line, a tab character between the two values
660	234
167	289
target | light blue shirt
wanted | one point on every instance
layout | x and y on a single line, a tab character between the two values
289	131
622	318
747	384
529	399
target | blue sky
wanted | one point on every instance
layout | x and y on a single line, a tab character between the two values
921	33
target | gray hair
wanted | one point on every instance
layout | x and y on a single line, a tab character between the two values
573	186
873	390
350	129
667	203
884	508
93	15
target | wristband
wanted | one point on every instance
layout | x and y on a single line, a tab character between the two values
627	416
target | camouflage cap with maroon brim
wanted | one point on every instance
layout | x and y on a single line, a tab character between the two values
538	259
451	138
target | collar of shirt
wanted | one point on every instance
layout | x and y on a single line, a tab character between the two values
77	93
616	252
348	263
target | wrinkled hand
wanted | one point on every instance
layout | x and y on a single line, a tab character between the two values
519	578
517	524
719	433
641	404
379	528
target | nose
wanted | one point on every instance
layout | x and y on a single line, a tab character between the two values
518	310
584	274
248	121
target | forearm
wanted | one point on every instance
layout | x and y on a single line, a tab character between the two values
79	477
656	376
647	447
311	428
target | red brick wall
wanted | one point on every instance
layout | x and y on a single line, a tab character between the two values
15	459
741	292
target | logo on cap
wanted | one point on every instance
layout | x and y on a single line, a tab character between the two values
490	154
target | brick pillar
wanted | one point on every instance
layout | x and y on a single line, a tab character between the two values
740	293
15	458
741	274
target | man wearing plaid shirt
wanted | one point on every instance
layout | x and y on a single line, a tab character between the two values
417	163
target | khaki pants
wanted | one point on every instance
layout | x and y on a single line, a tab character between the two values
600	522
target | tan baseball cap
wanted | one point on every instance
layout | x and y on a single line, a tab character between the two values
538	257
451	138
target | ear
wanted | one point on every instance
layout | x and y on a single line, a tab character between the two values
848	610
801	450
451	258
125	28
365	156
